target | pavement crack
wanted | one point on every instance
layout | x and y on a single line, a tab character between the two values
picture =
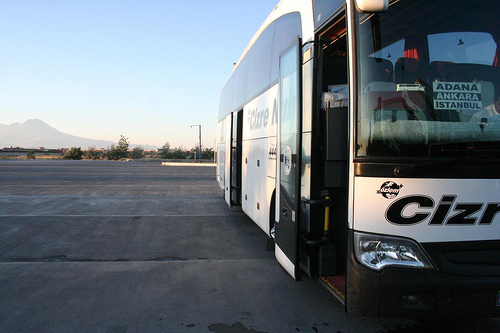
64	258
166	258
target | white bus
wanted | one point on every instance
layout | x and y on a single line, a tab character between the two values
364	137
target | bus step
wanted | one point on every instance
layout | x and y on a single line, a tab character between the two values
336	285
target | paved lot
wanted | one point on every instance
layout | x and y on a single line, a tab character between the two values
138	247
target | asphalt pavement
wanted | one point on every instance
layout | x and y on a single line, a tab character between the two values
106	246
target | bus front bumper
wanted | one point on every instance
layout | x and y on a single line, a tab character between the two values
418	293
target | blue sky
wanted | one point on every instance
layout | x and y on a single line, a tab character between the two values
145	69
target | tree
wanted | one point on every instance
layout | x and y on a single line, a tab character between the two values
119	151
30	155
165	151
75	153
92	153
111	153
123	145
207	154
178	153
137	152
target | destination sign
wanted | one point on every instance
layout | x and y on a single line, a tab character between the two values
457	96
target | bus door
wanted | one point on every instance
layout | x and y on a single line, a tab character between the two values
236	157
288	174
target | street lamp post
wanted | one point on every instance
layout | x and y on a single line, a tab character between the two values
199	127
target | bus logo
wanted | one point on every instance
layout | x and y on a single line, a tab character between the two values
287	159
447	212
389	190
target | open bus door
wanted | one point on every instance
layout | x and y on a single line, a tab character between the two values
236	157
288	173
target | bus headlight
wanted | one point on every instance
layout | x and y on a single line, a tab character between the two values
377	252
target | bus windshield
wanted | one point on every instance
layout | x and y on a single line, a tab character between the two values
428	78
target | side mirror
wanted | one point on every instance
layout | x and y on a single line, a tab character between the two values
372	6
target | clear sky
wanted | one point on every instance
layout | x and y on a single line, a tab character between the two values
145	69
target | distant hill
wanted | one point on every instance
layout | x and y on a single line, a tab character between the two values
35	133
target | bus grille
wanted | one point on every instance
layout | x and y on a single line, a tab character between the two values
481	259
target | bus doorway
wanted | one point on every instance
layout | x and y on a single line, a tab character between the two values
330	186
236	157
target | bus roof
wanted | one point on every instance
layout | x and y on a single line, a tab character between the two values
282	8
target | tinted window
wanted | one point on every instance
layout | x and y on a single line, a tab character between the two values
462	47
429	77
324	9
259	60
287	28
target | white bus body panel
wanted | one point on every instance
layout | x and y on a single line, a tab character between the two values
259	157
465	200
256	189
221	157
221	153
227	165
307	20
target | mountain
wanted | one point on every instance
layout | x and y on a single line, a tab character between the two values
35	133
